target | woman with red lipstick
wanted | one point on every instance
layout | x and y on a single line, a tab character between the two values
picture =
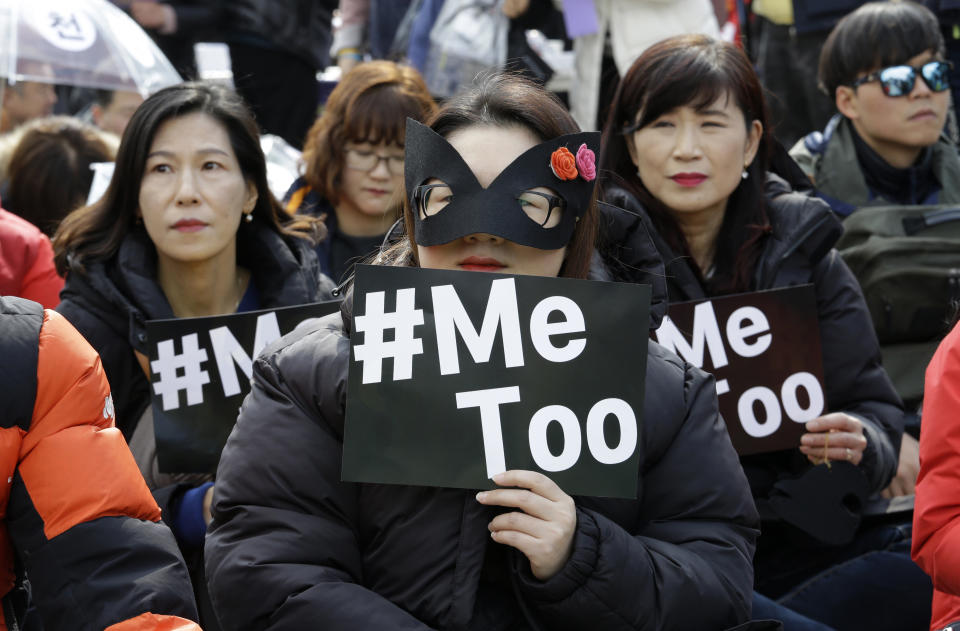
292	546
353	161
188	227
688	148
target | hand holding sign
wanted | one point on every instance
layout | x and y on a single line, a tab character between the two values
835	436
543	528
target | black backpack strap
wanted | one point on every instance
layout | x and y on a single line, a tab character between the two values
20	323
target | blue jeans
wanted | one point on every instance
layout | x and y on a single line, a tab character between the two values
874	585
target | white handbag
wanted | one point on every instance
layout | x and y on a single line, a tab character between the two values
469	37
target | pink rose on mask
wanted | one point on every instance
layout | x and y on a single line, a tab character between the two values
586	163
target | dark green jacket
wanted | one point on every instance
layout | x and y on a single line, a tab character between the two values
830	159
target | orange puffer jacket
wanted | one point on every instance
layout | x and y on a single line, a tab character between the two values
77	517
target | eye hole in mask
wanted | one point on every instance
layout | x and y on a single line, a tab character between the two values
541	205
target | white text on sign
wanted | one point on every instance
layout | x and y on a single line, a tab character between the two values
748	335
490	400
227	352
451	318
501	317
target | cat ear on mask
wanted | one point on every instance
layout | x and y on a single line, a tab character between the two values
428	155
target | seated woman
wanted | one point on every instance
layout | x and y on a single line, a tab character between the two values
689	150
293	546
936	546
353	161
188	227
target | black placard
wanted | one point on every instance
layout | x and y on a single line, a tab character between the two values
200	372
566	366
764	350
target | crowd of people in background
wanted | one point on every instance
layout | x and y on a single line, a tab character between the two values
740	147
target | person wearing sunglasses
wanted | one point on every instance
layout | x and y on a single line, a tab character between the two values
884	66
353	161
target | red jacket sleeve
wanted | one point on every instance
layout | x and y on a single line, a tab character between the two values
41	283
936	517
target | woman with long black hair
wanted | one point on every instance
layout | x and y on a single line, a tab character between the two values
688	147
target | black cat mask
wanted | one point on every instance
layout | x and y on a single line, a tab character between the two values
448	203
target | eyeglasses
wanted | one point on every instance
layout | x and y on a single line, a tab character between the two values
899	80
542	208
368	161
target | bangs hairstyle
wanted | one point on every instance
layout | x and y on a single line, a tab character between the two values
694	71
371	103
509	100
95	232
877	35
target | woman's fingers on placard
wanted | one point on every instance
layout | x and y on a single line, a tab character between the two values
520	522
835	421
527	501
820	455
856	442
546	544
536	482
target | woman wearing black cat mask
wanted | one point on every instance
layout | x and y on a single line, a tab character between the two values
499	181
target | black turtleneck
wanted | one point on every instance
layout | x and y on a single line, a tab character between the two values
909	186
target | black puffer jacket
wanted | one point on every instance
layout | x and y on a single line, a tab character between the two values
299	27
111	302
798	251
293	547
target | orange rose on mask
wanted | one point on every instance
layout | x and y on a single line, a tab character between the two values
563	164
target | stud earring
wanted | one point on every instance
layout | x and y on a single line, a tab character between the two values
744	175
248	217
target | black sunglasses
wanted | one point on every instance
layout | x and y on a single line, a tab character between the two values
899	80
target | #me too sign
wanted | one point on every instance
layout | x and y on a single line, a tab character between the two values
764	350
210	361
457	376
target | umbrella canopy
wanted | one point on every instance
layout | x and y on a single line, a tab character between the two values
89	43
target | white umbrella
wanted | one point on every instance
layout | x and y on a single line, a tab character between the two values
89	43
